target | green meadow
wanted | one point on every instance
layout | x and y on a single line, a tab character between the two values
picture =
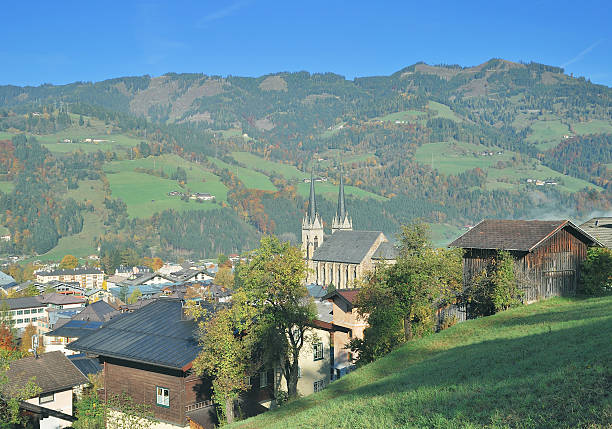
545	365
251	179
596	126
443	111
252	161
146	194
6	187
330	191
405	115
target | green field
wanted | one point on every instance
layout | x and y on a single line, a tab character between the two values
547	133
329	191
405	115
251	179
443	233
545	365
146	194
253	161
6	187
457	157
443	111
596	126
82	244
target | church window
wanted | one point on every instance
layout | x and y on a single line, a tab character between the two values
316	243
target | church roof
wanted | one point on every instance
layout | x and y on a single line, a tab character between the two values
386	252
349	247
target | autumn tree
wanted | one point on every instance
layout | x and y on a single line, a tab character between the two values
225	278
273	281
135	296
69	262
399	300
227	340
7	330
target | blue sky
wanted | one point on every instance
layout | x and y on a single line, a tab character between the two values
66	41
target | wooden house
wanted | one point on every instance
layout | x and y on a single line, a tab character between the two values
547	254
148	354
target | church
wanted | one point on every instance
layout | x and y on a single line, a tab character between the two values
345	255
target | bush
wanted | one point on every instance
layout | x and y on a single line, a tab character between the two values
495	289
596	274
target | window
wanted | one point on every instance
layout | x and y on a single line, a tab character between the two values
26	311
47	397
40	310
26	320
19	312
319	385
163	397
263	379
318	351
19	321
33	319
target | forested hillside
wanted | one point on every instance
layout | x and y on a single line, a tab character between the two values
95	162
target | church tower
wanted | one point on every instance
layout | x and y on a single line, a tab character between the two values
342	221
312	225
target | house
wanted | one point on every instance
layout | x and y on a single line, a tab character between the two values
190	275
599	228
547	254
345	255
56	377
148	354
126	271
148	279
6	283
345	315
78	326
88	277
94	295
30	309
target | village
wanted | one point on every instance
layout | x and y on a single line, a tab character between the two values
130	332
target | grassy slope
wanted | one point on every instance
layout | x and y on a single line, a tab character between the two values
455	158
254	161
542	365
251	179
146	194
330	191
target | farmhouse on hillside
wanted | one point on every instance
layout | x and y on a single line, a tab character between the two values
547	254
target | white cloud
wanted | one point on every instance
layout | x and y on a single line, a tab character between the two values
582	53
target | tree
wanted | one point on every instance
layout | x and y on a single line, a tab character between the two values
222	259
225	278
494	289
400	300
227	341
10	395
273	281
69	262
26	339
135	296
7	327
596	278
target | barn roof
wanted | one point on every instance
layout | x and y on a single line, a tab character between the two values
346	246
520	235
600	228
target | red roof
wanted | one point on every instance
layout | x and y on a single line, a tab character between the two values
349	295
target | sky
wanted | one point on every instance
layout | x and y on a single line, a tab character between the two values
65	41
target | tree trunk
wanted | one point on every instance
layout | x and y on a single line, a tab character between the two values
229	410
408	327
292	381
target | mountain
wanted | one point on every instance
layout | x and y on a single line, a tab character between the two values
448	144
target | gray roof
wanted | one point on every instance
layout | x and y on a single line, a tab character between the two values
24	302
53	371
386	252
69	272
85	364
346	246
601	229
6	281
156	334
75	329
99	311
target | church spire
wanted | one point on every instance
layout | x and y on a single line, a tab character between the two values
341	211
312	200
342	221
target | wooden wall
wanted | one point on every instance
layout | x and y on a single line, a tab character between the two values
552	269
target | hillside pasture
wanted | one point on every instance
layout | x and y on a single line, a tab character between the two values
329	191
457	157
443	111
544	365
251	179
403	116
6	187
146	194
595	126
547	134
256	162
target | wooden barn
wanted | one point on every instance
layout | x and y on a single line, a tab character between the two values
547	254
